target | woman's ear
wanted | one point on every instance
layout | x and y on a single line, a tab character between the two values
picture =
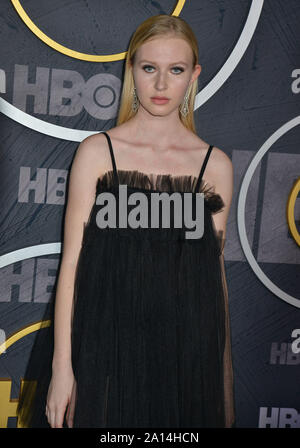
197	71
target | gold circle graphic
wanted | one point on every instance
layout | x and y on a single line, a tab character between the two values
72	53
23	332
291	209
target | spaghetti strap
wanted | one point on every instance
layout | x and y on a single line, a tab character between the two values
116	177
203	167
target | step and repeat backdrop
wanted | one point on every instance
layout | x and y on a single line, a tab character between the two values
61	67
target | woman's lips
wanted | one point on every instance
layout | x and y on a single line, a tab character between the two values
159	100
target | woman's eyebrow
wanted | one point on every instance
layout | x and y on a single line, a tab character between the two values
173	63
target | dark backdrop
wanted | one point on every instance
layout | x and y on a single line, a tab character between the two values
248	106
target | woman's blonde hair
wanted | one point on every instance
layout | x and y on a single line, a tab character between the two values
159	25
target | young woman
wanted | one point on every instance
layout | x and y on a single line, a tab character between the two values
141	335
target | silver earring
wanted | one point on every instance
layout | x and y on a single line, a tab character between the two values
185	105
135	102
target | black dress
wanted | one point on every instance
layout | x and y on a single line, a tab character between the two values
150	314
150	330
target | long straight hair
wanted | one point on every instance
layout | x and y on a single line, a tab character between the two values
160	25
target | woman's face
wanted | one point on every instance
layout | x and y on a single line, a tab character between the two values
163	67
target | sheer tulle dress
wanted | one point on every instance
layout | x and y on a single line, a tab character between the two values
151	344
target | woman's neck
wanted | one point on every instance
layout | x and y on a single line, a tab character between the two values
163	130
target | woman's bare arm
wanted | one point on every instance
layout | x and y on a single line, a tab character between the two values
88	164
223	175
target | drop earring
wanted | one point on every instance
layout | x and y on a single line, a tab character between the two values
185	105
135	102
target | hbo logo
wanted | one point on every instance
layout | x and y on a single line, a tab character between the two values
65	92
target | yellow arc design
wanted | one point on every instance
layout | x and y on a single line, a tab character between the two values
23	332
290	211
72	53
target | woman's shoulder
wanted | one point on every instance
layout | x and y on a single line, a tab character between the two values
219	169
221	162
220	175
93	143
94	152
218	157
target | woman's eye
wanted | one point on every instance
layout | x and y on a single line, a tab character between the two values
178	68
147	66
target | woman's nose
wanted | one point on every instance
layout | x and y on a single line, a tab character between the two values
161	81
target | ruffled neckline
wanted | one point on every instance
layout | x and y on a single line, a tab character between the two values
160	183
